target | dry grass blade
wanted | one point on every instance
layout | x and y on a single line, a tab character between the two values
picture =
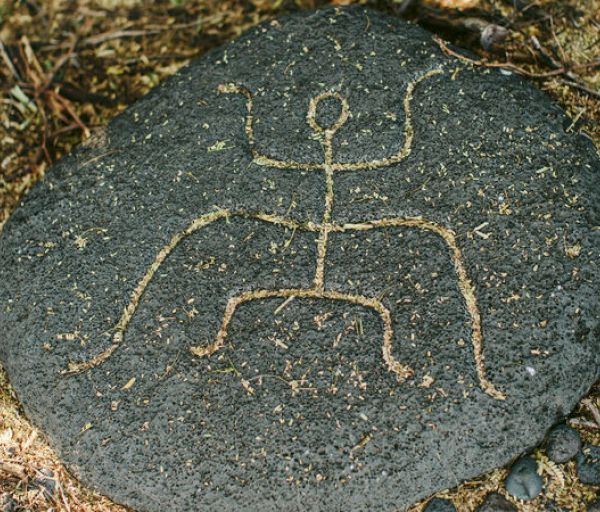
593	408
117	34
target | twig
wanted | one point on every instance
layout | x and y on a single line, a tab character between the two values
283	304
551	61
517	69
544	53
67	106
63	497
44	145
585	424
64	129
175	26
98	157
151	30
575	119
8	61
61	62
529	9
561	50
33	71
13	469
505	65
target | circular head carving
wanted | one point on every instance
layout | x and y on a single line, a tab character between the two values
312	112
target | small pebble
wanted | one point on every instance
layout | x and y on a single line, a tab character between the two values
594	506
551	506
523	481
439	505
7	504
563	444
492	35
494	502
588	465
47	482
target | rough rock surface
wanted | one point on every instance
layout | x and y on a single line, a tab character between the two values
237	294
439	505
495	502
594	507
588	465
563	444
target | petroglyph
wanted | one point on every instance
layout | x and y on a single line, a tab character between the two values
318	290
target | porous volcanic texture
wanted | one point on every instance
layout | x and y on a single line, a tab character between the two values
212	306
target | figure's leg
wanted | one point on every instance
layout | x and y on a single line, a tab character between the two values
131	308
232	304
465	285
402	372
468	292
137	293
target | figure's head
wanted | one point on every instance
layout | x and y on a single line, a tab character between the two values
313	115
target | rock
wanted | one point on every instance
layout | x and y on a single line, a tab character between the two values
323	267
7	503
439	505
563	443
495	502
551	506
492	35
523	481
46	482
588	465
594	506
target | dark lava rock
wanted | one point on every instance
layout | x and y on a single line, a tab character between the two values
563	443
46	482
495	502
258	311
551	506
439	505
8	504
594	506
523	481
588	465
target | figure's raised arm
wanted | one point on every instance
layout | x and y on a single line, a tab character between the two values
259	158
408	132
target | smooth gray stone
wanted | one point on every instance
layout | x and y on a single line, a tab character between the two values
462	213
523	481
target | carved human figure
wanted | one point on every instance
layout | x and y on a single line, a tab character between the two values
328	167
